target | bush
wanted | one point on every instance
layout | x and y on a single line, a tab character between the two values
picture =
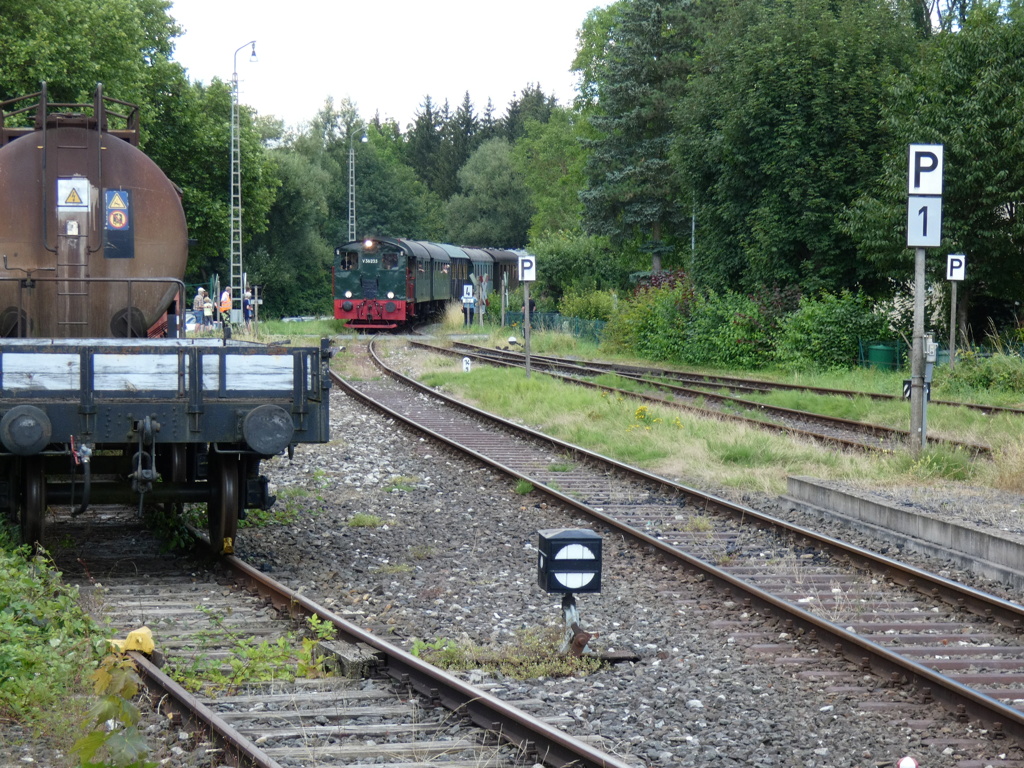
595	305
824	333
728	330
542	303
49	642
670	322
651	324
976	372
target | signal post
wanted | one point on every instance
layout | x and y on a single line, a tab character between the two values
924	230
527	274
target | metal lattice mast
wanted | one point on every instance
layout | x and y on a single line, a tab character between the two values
351	192
236	195
237	279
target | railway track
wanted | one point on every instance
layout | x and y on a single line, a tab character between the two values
831	430
947	641
733	383
265	690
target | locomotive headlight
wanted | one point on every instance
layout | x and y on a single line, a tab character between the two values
348	294
391	294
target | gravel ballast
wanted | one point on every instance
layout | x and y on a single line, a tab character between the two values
455	557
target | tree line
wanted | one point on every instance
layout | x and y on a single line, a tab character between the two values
756	145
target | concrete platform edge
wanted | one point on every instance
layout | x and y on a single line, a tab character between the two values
983	553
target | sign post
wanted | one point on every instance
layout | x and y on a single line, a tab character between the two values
924	229
956	269
527	274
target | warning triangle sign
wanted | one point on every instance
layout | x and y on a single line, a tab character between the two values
117	202
73	198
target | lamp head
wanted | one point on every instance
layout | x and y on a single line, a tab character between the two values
252	56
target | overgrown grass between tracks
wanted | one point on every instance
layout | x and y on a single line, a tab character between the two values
710	452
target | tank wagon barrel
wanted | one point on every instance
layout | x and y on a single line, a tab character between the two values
92	410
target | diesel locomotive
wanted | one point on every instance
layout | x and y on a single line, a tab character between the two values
93	410
384	283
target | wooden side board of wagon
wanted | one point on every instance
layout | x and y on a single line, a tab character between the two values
166	420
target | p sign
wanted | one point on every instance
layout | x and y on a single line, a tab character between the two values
956	266
527	269
925	177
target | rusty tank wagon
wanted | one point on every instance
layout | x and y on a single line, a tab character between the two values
103	398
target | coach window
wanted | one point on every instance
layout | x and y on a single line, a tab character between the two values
389	261
348	261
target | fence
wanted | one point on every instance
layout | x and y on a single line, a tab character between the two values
590	330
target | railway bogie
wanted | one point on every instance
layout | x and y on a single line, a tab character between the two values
388	283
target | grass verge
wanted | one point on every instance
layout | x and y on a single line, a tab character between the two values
707	452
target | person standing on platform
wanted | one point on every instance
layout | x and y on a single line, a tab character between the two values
247	310
225	305
207	312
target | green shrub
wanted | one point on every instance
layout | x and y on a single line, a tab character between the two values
542	302
728	330
671	322
49	642
651	324
825	332
977	372
595	305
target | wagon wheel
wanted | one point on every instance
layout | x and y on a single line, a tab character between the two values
172	462
225	504
33	503
11	473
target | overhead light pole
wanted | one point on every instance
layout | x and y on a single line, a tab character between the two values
237	273
352	186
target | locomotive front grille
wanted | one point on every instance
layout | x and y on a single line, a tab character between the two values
369	285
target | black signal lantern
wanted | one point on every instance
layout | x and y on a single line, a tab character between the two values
569	560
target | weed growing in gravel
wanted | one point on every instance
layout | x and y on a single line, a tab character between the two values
364	520
319	631
276	515
534	654
49	642
293	502
169	522
114	740
699	524
524	487
401	483
395	569
249	660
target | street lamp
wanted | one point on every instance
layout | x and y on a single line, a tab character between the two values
237	274
352	186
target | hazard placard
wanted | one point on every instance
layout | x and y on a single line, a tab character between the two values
73	194
118	205
118	237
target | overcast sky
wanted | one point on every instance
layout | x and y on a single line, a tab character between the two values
385	55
